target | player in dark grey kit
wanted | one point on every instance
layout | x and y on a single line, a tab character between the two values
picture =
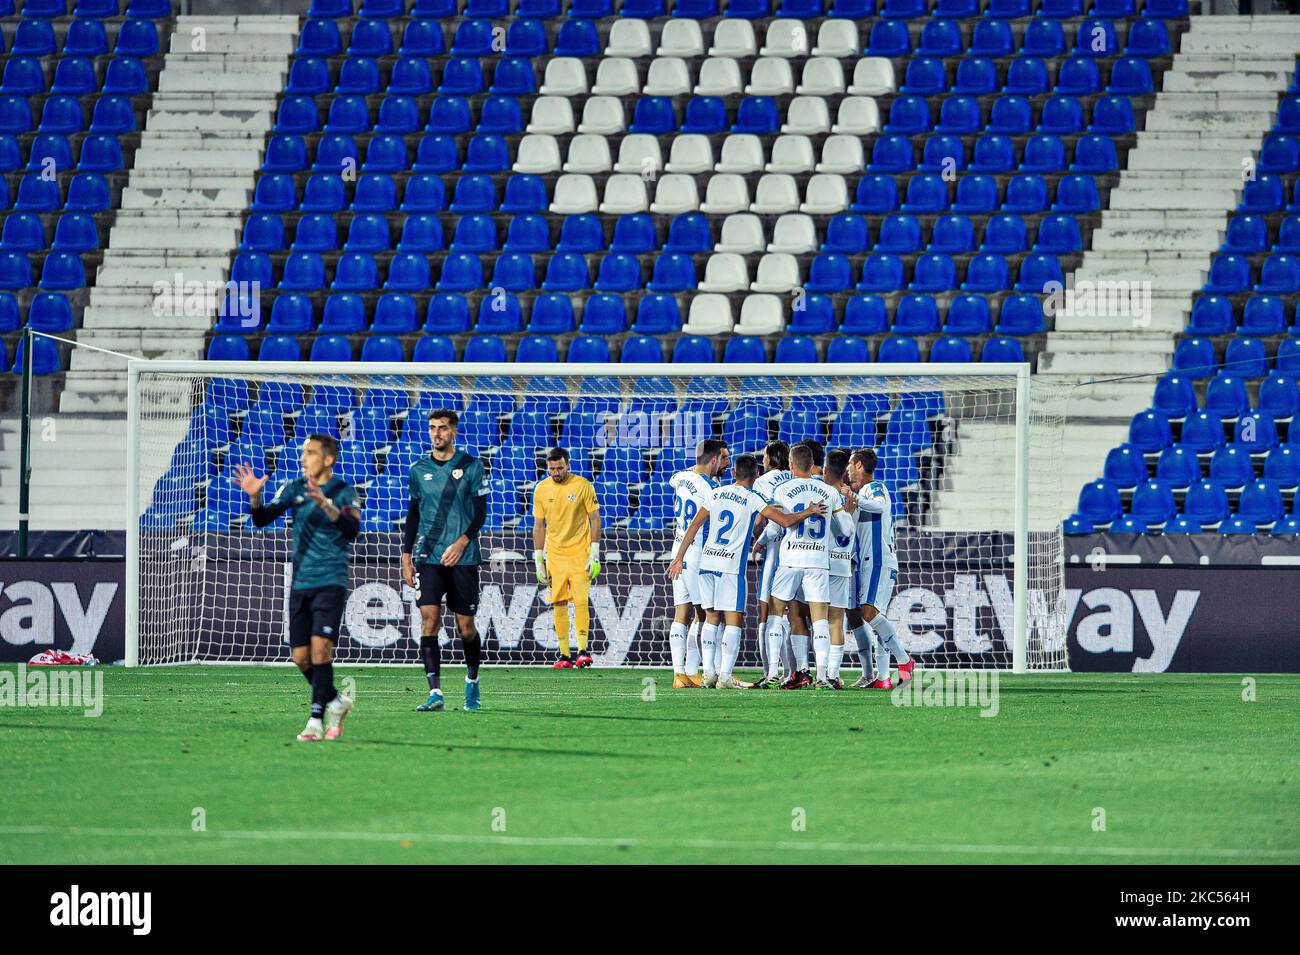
440	548
326	520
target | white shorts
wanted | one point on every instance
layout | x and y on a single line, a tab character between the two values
766	572
719	591
686	588
843	593
802	583
876	585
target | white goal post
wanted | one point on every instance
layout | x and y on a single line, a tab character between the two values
970	452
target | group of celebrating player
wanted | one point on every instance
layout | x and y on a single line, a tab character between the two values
824	525
822	521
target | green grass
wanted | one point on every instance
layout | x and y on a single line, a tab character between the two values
585	770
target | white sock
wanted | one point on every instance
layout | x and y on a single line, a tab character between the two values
762	645
677	646
882	659
787	651
693	649
776	627
821	646
709	648
730	650
837	657
863	639
799	643
886	631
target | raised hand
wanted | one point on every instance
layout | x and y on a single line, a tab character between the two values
248	481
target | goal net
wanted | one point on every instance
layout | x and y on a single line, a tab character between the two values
970	453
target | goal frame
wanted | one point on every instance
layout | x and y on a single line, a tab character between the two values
1019	372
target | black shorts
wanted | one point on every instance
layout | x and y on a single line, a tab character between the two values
456	586
315	613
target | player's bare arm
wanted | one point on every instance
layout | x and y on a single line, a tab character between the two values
675	568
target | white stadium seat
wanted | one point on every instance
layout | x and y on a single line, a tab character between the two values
825	194
741	153
629	38
675	194
734	38
710	314
667	76
770	76
726	193
873	76
792	154
742	233
565	76
552	115
822	76
588	153
616	76
639	153
681	38
787	38
603	115
690	153
776	193
761	314
719	77
858	116
777	272
842	154
538	154
725	272
574	195
837	38
807	116
624	194
794	233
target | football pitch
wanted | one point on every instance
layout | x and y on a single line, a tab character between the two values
199	764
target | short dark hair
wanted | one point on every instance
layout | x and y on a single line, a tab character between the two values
778	453
453	419
557	454
867	458
745	466
815	446
801	457
837	462
709	449
329	445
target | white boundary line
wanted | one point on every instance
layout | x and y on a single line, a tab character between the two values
632	842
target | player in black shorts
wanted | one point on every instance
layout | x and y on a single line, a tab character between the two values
440	547
326	519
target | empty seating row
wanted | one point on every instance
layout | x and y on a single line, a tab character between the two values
606	313
743	9
1231	467
1227	396
1245	357
67	114
86	38
1255	430
74	76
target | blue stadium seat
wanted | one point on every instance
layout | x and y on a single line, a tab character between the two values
33	38
1178	467
882	272
1113	116
642	349
1246	357
1261	502
485	348
499	314
976	194
968	315
1256	432
1195	357
63	271
1124	468
137	38
829	272
986	272
344	314
1021	315
1149	431
1175	396
606	314
1062	115
953	234
924	77
951	350
689	233
422	38
1279	397
899	350
355	272
1079	77
1005	234
76	232
87	37
693	349
1202	432
621	272
977	75
303	272
1026	194
744	349
1027	76
1153	502
447	314
994	153
1040	272
1263	315
1095	153
848	349
889	38
934	272
878	193
324	192
1002	350
796	349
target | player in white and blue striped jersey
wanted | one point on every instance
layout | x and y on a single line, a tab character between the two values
691	491
733	515
877	566
776	464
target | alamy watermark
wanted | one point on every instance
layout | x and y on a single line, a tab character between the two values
81	688
1089	299
177	297
973	688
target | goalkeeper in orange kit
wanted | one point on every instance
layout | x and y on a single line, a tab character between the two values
566	549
